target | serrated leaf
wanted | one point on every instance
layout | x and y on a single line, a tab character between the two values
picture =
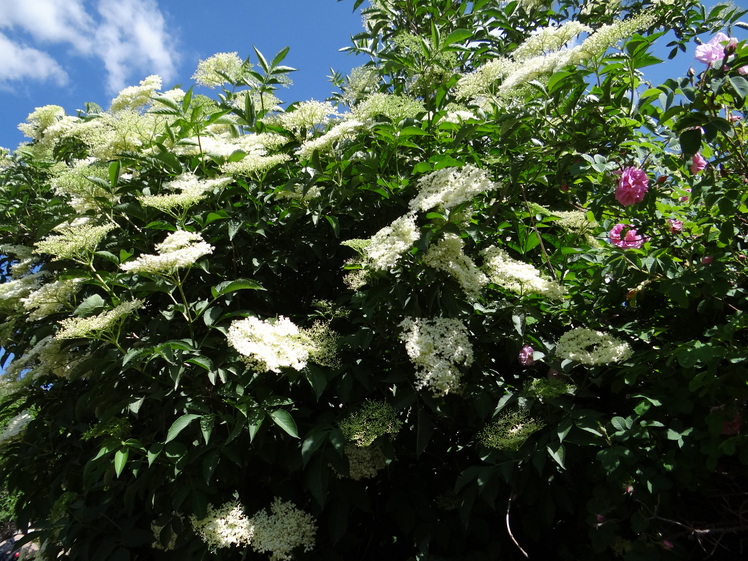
284	420
179	425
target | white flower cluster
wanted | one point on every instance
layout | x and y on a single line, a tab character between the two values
341	131
135	97
591	347
180	249
364	462
279	343
41	119
85	327
50	298
608	35
518	276
278	532
437	347
13	291
447	255
394	107
307	116
224	526
75	242
77	183
549	39
15	426
482	80
44	358
254	164
282	529
449	187
191	190
388	244
215	70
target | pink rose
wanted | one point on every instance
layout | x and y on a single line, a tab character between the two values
632	186
525	356
674	226
623	235
698	163
712	51
743	70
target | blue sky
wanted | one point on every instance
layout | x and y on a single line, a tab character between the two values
68	52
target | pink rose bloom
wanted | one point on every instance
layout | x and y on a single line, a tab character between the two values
525	356
698	163
674	226
623	235
713	50
743	70
632	186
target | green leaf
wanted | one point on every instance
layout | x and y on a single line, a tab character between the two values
227	287
690	142
284	420
457	36
206	426
179	425
90	306
619	423
558	455
120	459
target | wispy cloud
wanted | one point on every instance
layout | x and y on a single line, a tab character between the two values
130	37
18	62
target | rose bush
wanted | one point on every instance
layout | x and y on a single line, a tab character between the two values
397	324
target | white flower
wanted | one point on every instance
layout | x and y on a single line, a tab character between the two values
518	276
74	242
449	187
50	298
282	530
437	346
341	131
15	426
225	526
88	327
388	244
180	249
447	255
591	347
135	97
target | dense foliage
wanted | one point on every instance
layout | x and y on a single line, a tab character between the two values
487	302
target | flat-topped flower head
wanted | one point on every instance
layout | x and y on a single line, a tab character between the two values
271	345
518	276
591	347
136	97
93	326
438	347
510	431
76	242
448	255
220	68
449	187
225	526
50	298
180	249
372	420
388	245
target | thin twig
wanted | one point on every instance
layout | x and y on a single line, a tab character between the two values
509	529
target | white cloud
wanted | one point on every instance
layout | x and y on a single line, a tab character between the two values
18	62
133	36
130	38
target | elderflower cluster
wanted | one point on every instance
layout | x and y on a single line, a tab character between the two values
88	327
364	462
254	164
483	79
50	298
361	82
447	255
437	347
391	242
307	116
533	68
13	292
79	182
224	526
449	187
394	107
15	426
282	529
191	191
46	357
75	242
275	344
135	97
518	276
509	432
40	120
217	69
549	39
342	131
590	347
372	420
180	249
608	35
547	388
